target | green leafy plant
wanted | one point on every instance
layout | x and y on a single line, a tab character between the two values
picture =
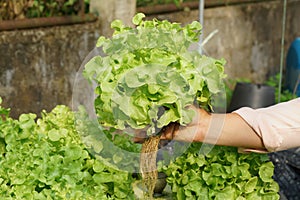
285	94
55	8
157	2
10	10
117	149
148	76
272	81
45	159
222	173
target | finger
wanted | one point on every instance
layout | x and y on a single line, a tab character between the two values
168	133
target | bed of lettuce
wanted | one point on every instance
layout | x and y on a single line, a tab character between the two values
222	173
49	158
45	158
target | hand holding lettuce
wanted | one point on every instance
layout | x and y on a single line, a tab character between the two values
148	75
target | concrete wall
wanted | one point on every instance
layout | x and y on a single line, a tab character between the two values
38	66
248	37
114	9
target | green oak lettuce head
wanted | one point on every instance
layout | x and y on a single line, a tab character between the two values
148	76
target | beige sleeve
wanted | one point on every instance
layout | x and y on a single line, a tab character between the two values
278	125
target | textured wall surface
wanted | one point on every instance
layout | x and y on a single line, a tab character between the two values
248	36
38	66
114	9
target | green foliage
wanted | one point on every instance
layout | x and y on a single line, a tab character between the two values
148	76
45	159
55	8
272	81
4	112
117	149
10	10
222	173
285	93
156	2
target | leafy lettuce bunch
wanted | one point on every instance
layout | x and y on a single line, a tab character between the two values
147	75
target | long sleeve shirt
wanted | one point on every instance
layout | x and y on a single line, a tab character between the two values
278	126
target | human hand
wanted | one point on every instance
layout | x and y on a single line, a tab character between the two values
191	132
194	131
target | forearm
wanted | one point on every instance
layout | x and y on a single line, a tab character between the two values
269	129
274	128
232	130
220	129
